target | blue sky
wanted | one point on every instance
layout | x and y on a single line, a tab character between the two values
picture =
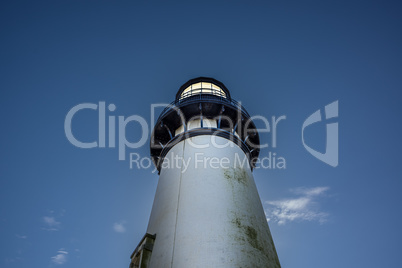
62	206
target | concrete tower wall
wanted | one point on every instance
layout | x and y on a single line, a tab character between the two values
208	213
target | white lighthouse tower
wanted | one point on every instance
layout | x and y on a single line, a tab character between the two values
206	211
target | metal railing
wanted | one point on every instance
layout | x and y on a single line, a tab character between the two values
198	91
204	97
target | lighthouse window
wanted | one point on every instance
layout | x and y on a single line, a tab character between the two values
196	86
202	88
142	254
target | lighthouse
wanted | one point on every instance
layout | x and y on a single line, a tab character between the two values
206	210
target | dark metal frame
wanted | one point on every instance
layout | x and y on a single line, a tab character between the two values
202	106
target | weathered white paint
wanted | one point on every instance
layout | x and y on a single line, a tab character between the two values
209	217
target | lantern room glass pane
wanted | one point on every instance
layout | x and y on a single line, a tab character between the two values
206	85
202	88
196	86
186	91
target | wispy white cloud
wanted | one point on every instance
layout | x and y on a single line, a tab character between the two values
119	227
51	223
21	236
310	191
60	257
304	207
